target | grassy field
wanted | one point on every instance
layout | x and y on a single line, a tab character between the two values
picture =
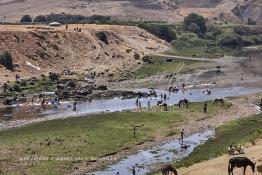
92	136
241	131
160	65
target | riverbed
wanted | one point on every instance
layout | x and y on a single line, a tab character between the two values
21	115
163	153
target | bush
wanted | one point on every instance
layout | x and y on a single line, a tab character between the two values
257	39
198	20
7	61
161	31
213	32
247	31
102	36
64	18
194	28
136	56
232	40
251	22
40	19
26	19
147	59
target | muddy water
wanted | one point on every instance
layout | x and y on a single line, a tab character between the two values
164	153
24	114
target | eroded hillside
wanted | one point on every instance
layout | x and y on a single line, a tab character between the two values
173	10
38	50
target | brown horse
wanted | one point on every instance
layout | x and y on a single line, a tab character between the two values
169	169
240	162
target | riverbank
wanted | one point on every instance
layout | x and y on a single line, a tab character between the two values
88	137
243	131
95	136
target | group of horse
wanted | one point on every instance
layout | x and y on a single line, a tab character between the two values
186	102
235	162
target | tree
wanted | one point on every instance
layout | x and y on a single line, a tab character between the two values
194	28
25	19
102	36
40	18
251	22
162	31
7	61
198	20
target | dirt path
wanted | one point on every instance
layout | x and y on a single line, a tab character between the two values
187	58
212	167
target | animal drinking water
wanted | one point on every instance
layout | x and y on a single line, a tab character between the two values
219	100
169	169
240	162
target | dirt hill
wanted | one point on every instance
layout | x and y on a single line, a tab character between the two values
37	50
173	10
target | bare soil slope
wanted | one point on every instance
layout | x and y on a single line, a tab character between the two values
173	10
38	50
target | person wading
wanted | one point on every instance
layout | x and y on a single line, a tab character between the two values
182	136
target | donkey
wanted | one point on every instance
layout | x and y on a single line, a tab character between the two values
169	169
184	101
218	100
240	162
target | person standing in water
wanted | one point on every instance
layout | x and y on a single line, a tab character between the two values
182	136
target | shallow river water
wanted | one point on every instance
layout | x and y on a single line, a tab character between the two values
165	152
116	104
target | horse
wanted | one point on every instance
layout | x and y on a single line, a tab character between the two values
169	169
218	100
159	103
173	89
184	101
240	162
165	105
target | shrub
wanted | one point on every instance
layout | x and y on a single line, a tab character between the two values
136	56
248	30
102	36
213	32
198	20
64	18
194	28
161	31
232	40
26	19
251	22
53	76
147	59
40	18
7	61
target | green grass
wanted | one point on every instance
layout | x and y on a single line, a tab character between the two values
92	136
241	131
160	65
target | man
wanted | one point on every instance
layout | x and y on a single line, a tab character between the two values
231	150
241	149
205	107
182	136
